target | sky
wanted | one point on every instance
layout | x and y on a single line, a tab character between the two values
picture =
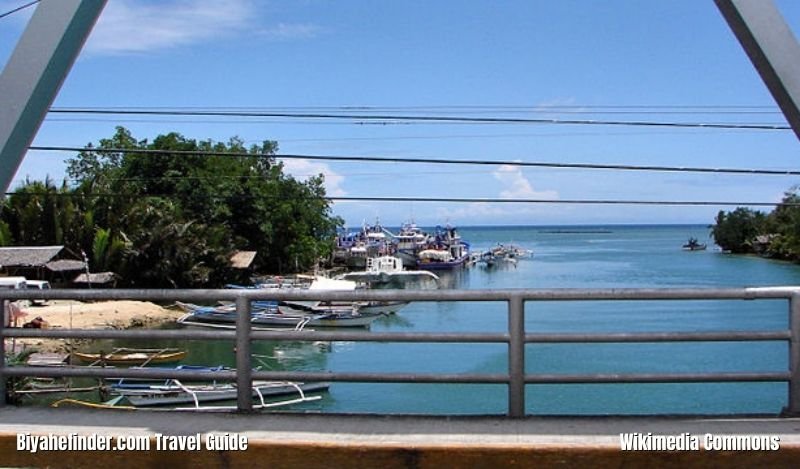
621	60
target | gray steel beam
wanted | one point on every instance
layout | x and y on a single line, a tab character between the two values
35	72
516	356
244	366
773	49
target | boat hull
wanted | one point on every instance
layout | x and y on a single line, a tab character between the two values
173	395
131	359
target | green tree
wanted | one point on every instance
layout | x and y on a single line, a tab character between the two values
735	231
183	206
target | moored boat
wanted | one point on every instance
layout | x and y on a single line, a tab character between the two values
388	271
132	357
176	393
694	245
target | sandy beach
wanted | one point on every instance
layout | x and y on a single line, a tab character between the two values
97	315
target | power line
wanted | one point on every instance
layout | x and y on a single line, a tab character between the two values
433	199
10	12
390	119
378	159
644	108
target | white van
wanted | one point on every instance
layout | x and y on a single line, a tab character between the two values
13	283
37	285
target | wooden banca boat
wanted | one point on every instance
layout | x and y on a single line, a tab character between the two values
132	357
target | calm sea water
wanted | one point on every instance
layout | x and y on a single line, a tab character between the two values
565	257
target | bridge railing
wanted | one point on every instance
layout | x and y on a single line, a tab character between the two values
516	337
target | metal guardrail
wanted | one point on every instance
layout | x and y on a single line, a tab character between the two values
516	337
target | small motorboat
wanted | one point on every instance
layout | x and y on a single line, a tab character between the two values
694	245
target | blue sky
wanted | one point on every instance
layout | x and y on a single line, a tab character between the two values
540	59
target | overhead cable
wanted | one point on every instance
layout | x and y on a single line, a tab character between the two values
386	119
713	203
381	159
10	12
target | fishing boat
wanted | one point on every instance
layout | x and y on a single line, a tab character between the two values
224	315
447	251
296	316
501	253
173	392
341	308
144	382
694	245
131	357
388	271
408	242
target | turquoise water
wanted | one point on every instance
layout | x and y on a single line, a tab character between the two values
583	257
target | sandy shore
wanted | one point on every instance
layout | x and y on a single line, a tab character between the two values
99	315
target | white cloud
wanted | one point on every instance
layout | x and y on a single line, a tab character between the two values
128	26
136	26
304	169
479	213
283	31
517	185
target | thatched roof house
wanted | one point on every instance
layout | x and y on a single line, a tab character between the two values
104	279
37	261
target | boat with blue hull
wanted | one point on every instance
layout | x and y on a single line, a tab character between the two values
283	316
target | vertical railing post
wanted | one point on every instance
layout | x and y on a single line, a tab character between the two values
516	356
3	305
794	355
244	367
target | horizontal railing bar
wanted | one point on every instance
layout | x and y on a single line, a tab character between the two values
111	372
367	336
657	378
289	335
624	337
558	294
153	373
133	334
428	378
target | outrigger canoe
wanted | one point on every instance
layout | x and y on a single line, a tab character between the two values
132	357
173	392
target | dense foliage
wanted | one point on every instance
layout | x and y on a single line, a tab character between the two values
776	234
167	216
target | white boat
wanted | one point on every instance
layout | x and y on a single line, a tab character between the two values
364	308
389	271
172	392
408	242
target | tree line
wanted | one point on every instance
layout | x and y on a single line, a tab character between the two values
775	234
172	214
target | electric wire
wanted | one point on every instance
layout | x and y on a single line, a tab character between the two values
422	160
387	119
10	12
472	200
